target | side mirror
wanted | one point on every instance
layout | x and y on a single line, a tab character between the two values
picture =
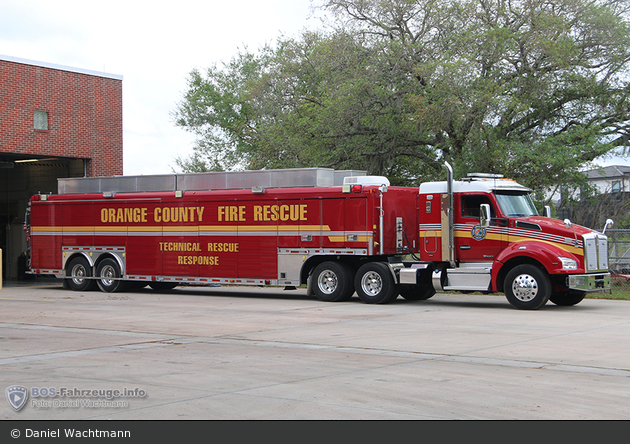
547	211
567	223
484	215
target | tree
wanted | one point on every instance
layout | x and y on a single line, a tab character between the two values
529	88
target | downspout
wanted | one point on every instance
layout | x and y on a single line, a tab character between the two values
451	232
381	217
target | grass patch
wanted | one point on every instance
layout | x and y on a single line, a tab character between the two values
618	291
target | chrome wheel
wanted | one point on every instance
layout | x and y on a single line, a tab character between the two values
372	283
332	282
327	282
107	275
525	287
78	274
375	283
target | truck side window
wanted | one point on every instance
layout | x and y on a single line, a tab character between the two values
470	205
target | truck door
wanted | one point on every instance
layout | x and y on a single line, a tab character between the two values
474	243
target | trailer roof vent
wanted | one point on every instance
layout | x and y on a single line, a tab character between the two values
366	180
484	176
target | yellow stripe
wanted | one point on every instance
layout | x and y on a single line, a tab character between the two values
59	229
170	228
567	248
344	239
143	229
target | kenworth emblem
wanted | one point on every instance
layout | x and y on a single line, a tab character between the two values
17	396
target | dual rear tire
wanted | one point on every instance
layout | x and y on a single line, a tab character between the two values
336	282
107	276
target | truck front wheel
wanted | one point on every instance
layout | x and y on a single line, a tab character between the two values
527	287
333	282
375	284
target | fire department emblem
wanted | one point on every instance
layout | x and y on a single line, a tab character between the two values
478	232
17	396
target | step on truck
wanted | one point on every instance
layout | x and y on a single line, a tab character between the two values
336	232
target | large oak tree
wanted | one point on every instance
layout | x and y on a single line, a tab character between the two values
533	89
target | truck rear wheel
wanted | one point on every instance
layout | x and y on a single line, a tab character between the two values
80	272
418	292
375	284
108	276
527	287
333	282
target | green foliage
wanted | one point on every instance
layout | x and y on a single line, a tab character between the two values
533	89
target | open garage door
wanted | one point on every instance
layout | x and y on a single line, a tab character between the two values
20	177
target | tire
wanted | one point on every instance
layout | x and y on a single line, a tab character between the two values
567	298
79	273
527	287
375	284
418	292
162	286
108	276
332	282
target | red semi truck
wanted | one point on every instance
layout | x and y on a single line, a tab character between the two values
481	233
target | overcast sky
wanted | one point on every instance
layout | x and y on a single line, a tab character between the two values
153	45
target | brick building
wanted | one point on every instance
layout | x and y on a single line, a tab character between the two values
55	121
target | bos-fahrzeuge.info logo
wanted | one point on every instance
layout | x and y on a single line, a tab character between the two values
47	397
17	396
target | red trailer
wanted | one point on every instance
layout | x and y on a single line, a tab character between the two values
478	234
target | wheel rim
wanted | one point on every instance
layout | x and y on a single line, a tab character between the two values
327	282
371	283
525	287
107	275
79	273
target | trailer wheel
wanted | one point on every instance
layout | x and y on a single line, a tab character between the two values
333	282
80	272
375	284
567	298
527	287
108	275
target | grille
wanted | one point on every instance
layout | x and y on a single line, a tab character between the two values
595	252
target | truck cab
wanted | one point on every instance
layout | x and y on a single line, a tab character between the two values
484	233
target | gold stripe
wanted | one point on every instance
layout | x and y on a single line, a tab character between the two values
170	228
567	248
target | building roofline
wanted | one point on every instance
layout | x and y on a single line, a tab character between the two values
608	172
60	67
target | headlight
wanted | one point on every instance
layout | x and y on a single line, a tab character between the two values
568	263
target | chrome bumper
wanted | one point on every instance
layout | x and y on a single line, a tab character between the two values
589	282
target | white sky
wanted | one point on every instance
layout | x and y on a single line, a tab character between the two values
153	45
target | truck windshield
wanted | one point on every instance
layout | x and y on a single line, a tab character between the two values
515	203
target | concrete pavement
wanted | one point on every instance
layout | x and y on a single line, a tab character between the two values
265	353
